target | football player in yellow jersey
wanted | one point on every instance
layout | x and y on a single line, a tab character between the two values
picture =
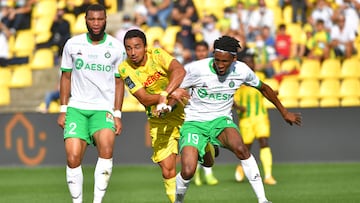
153	76
254	123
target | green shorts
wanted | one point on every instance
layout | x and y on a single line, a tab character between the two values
198	134
84	123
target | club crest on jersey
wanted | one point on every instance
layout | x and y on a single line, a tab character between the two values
79	63
231	84
107	55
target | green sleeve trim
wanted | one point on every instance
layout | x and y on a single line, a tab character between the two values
117	75
259	85
65	69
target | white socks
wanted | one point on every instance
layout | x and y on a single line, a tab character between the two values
74	179
252	173
102	175
181	187
207	170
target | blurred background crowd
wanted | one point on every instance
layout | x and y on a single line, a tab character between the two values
308	50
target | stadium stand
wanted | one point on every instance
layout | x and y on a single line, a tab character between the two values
21	77
5	96
350	68
43	58
309	69
288	92
332	75
330	68
6	74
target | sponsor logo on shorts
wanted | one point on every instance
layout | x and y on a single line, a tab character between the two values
109	117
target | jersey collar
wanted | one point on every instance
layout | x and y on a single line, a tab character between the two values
100	42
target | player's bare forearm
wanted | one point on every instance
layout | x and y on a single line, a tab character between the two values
180	95
119	93
177	74
271	95
65	84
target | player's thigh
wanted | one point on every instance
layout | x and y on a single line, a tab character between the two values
194	134
76	125
164	139
262	128
247	130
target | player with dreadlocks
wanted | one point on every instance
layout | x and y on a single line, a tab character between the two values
212	83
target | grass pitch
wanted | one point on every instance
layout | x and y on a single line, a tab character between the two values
310	182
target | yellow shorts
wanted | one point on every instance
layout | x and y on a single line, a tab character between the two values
164	138
254	128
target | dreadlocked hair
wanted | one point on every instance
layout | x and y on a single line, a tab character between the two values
227	43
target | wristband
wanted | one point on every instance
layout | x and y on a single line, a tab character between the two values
117	113
164	93
63	108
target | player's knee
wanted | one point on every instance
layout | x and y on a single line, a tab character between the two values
73	161
187	172
167	174
242	152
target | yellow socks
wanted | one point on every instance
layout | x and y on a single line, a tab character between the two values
266	160
170	187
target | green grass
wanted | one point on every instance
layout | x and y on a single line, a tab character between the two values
310	182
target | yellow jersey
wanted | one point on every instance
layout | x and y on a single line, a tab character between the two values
153	76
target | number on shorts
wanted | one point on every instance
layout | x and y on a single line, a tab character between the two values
193	138
72	129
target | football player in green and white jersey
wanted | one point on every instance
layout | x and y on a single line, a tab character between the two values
208	114
91	96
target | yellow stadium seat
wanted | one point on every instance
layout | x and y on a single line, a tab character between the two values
330	88
5	77
71	20
42	24
271	4
43	59
290	102
350	88
44	9
294	30
289	64
329	102
309	69
80	25
24	43
112	6
330	68
152	34
350	101
278	18
309	88
350	68
288	92
4	96
287	14
169	37
309	102
22	77
273	83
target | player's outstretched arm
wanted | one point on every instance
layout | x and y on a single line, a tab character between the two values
65	84
271	95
